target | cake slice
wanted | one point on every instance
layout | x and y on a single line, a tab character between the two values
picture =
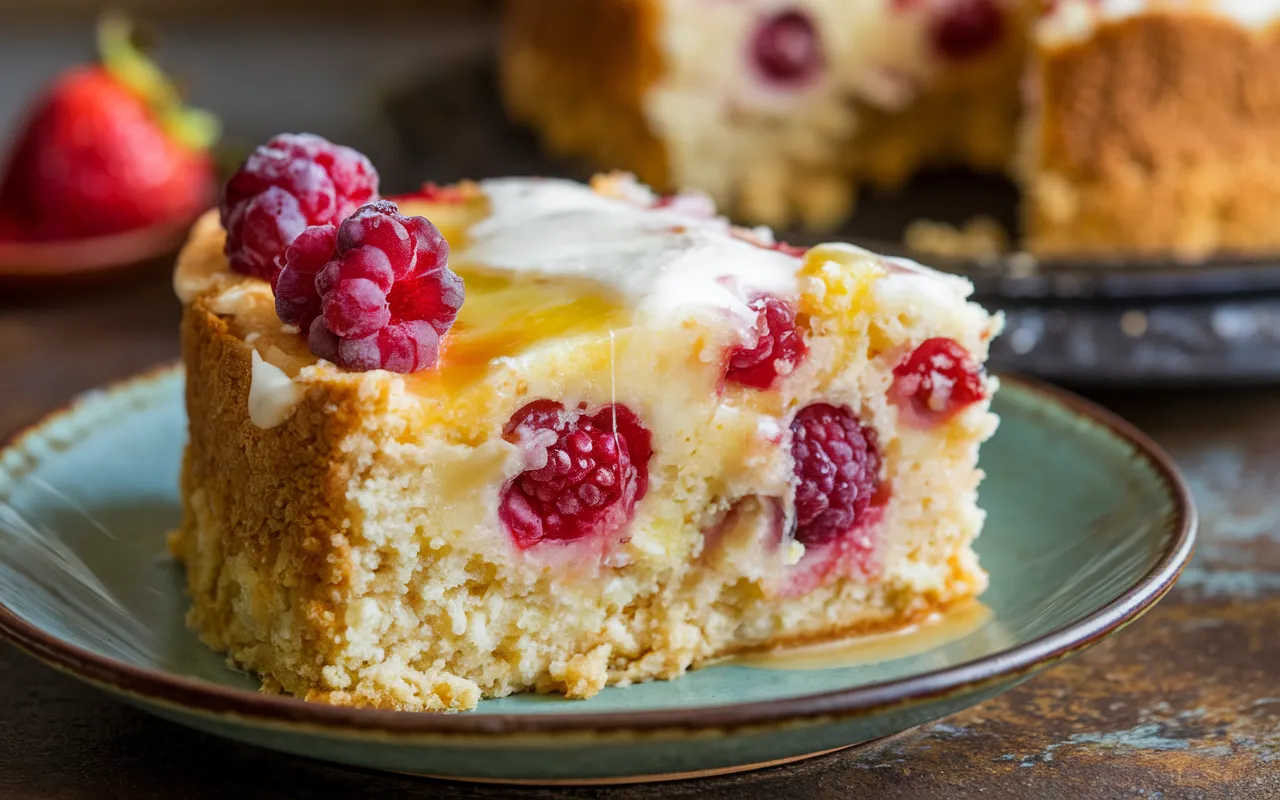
558	437
779	111
1153	126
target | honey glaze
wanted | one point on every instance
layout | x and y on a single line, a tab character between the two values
937	630
505	316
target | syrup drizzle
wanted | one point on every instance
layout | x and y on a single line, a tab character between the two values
939	629
613	389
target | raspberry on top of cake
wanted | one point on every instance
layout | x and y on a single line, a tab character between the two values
529	434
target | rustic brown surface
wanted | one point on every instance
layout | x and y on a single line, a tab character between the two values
1183	704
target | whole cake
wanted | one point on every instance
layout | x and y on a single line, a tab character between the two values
529	434
1133	126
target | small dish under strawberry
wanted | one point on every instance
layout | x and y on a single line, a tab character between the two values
106	171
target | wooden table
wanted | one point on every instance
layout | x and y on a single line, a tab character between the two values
1183	704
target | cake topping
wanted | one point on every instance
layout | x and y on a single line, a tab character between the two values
374	293
586	472
938	380
779	347
837	468
659	261
787	49
297	299
272	393
967	28
292	181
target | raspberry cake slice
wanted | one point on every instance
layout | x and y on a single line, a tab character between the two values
557	437
779	110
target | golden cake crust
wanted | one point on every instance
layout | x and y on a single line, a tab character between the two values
276	494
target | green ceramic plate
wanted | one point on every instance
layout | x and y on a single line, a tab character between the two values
1089	526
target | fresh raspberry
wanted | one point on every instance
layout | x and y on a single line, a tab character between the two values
588	472
787	49
937	381
291	182
966	28
297	300
376	293
837	467
779	346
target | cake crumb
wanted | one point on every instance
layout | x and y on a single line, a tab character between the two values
980	237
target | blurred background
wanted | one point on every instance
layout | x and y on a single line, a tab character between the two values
325	66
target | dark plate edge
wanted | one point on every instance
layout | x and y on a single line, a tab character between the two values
210	699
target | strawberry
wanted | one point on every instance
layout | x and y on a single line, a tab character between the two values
108	148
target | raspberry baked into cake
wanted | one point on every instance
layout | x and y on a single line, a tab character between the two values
1131	126
529	434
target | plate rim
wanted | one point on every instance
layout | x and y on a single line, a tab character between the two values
203	697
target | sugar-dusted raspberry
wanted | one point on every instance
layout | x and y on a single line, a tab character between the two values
937	381
837	468
297	299
376	293
787	48
962	29
779	346
587	472
291	182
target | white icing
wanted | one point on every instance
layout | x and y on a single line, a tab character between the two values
204	268
927	296
188	286
906	278
232	300
658	260
1075	20
272	393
